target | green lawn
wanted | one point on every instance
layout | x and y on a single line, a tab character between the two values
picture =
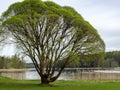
9	84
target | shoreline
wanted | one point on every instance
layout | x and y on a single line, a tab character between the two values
15	70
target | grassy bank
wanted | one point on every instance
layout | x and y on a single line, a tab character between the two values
9	84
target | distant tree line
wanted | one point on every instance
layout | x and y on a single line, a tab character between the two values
11	62
112	59
30	65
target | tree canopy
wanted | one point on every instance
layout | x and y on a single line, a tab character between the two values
48	33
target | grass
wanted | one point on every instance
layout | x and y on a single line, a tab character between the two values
10	84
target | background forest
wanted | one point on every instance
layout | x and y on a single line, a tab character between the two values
112	59
11	62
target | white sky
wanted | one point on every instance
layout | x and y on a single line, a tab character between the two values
104	15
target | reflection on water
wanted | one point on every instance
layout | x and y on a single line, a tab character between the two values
31	75
14	75
68	74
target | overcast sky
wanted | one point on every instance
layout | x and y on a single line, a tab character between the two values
104	15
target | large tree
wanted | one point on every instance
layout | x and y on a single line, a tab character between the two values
2	34
49	33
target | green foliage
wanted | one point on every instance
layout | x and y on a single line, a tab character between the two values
68	8
110	63
112	59
14	20
46	31
11	62
73	59
27	7
4	63
52	4
91	60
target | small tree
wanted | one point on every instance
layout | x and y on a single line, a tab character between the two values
49	33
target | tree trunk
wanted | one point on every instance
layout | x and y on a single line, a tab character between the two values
44	80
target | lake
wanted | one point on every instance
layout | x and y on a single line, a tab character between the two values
67	74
